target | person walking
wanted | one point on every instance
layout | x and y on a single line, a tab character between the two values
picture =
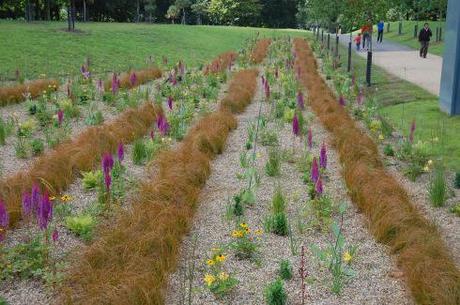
358	41
365	34
424	38
380	27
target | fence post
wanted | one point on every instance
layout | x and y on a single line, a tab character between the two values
415	30
388	27
400	28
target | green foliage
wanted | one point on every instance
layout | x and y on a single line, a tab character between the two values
233	12
81	225
91	179
139	152
438	187
388	150
278	201
456	209
457	180
3	301
70	110
277	224
95	116
37	146
25	260
269	137
285	270
322	208
2	131
273	165
275	293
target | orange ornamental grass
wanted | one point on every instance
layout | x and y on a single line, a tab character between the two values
18	93
142	77
260	50
221	63
394	220
130	261
57	169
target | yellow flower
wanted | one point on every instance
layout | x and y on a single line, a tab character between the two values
381	137
259	232
66	198
210	262
44	91
426	169
220	258
258	155
347	257
209	279
215	249
223	276
243	225
247	230
430	162
237	234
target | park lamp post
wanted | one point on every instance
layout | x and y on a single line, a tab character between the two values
450	79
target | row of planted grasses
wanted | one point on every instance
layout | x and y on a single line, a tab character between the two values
57	169
132	79
131	260
260	50
221	62
20	92
394	220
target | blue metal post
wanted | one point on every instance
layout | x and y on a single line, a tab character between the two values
450	80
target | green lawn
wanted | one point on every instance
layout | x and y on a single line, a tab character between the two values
46	48
402	101
407	37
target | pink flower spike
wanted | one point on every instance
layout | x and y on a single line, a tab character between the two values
300	100
323	157
342	101
60	115
295	125
310	138
314	171
55	235
319	187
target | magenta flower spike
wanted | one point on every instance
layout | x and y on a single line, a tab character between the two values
412	131
319	187
170	102
83	69
310	138
353	80
60	115
323	157
121	152
295	125
55	235
342	101
108	181
300	100
115	84
133	79
4	217
107	163
314	171
45	212
35	197
27	205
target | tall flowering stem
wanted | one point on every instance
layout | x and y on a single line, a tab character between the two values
300	100
133	79
323	156
303	275
295	126
314	171
121	152
170	102
342	101
60	116
115	84
45	212
319	187
412	131
310	139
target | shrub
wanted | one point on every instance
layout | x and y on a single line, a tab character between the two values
275	293
81	225
457	180
438	187
37	146
91	179
139	152
269	138
388	150
456	209
238	208
273	165
285	270
278	202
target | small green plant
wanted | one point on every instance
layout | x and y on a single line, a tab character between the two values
277	222
216	279
273	165
244	242
268	137
139	152
278	201
322	208
20	147
456	209
37	146
438	187
94	118
388	150
81	225
237	206
457	180
2	132
91	179
275	293
285	270
3	301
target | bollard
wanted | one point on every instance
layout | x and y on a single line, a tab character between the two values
349	57
440	34
437	34
328	41
400	28
369	68
415	30
322	36
337	46
388	27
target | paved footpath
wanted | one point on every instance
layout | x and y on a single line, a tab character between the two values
405	63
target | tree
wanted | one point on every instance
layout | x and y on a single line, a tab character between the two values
173	13
150	8
200	8
234	12
181	6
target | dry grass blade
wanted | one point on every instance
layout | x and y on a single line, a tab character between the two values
260	50
18	93
222	62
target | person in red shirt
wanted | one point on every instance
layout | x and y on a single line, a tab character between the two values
366	32
358	42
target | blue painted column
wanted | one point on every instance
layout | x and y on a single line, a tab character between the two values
450	80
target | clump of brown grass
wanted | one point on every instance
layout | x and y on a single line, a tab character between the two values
18	93
57	169
394	220
220	63
143	76
260	50
130	261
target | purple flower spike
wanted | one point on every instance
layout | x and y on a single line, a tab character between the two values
342	101
310	138
152	135
300	100
45	212
107	163
170	103
323	157
162	125
108	181
27	205
83	69
4	217
295	125
35	197
412	131
55	235
314	171
115	84
133	79
60	115
319	187
121	152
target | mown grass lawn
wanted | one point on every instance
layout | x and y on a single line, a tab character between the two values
46	48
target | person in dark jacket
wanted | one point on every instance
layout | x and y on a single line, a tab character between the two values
424	37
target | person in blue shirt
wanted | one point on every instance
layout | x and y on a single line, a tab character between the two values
380	27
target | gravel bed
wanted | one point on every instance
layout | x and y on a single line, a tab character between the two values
377	280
